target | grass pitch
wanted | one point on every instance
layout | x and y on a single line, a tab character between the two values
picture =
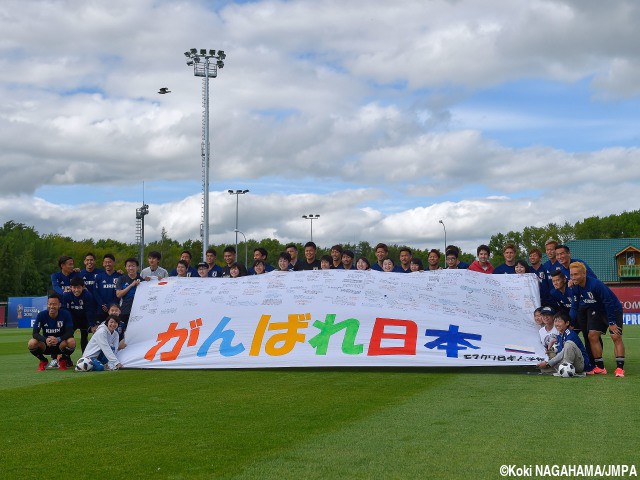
309	423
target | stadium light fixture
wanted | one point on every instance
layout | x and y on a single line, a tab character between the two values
311	217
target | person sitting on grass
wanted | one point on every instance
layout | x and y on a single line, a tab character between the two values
570	348
56	338
102	347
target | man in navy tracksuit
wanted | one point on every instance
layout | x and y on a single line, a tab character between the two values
596	307
53	335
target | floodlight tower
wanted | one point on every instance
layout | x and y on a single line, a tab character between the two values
445	237
205	64
140	214
311	217
237	193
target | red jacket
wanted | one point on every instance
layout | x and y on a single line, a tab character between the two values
476	267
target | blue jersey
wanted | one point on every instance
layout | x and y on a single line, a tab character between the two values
567	273
504	268
62	283
573	336
60	327
105	292
90	278
545	291
463	265
597	296
81	308
215	272
376	266
561	302
549	268
191	272
126	302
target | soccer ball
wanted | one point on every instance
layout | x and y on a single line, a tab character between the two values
566	370
84	364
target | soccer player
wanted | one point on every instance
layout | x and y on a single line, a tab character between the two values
215	270
56	338
405	260
347	260
482	264
561	295
551	264
292	250
186	256
382	252
80	304
509	265
126	287
154	270
310	262
570	348
90	274
103	346
535	259
61	281
105	292
229	256
433	260
563	257
336	256
595	305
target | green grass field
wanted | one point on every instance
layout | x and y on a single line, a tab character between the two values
313	423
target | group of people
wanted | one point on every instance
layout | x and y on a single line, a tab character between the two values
95	300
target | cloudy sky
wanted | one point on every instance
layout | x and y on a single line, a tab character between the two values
381	117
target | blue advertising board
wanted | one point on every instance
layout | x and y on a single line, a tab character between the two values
24	310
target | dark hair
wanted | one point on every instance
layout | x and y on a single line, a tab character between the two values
382	246
63	259
339	248
241	268
405	249
564	316
263	251
391	260
417	261
563	246
258	262
558	273
77	282
452	250
539	309
229	249
183	262
109	255
326	258
436	251
112	317
89	254
481	248
310	244
349	253
212	250
132	260
154	254
365	260
286	256
523	264
535	250
114	305
55	295
291	245
188	253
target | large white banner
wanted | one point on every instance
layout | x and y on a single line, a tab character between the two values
335	318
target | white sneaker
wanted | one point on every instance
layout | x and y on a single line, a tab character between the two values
53	364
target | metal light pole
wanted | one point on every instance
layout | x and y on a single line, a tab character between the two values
311	217
445	237
205	65
140	214
246	253
237	193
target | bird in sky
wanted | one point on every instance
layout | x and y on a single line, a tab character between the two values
164	90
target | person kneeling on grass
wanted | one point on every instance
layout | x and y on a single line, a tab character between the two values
570	348
103	346
56	338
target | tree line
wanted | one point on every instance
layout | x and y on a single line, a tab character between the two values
28	259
